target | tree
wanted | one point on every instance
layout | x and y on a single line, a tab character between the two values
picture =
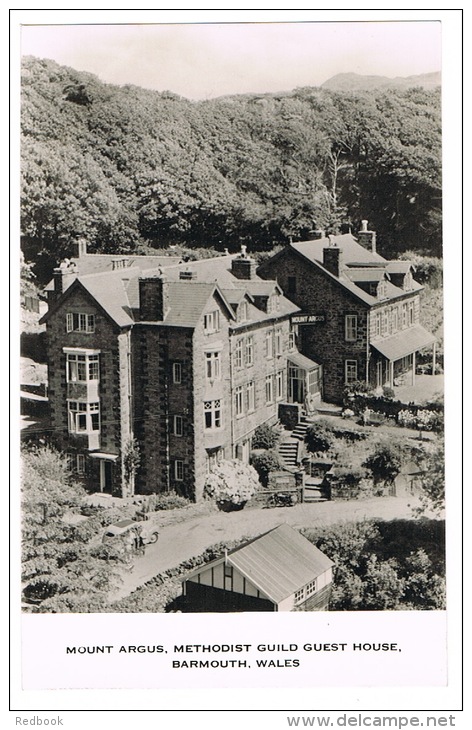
432	496
384	464
65	567
319	437
264	463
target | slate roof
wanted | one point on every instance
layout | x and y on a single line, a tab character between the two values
280	562
301	361
185	310
95	263
352	250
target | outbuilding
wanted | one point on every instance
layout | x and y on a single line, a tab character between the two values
278	571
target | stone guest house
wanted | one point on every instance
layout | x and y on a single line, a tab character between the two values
190	358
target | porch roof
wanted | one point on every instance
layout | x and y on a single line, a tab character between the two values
301	361
404	343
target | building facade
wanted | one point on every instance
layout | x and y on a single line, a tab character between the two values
360	313
180	362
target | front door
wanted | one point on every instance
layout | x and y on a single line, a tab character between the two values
296	384
106	476
379	374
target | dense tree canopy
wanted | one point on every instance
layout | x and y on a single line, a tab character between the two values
127	166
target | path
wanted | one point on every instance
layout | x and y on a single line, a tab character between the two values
188	539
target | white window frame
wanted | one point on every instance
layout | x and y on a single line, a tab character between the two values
350	327
350	368
269	345
80	417
249	351
299	595
213	365
269	389
278	342
211	322
292	341
411	314
238	354
251	396
238	401
178	425
243	311
279	385
178	470
214	408
177	373
87	361
80	322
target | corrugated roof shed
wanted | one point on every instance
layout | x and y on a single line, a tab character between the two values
280	562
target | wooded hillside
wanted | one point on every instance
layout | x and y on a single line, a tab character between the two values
127	168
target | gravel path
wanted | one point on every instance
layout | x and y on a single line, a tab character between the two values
187	539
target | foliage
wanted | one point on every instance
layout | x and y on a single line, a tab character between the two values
63	569
319	437
163	501
422	420
379	566
231	481
264	463
128	167
433	481
384	464
265	437
131	460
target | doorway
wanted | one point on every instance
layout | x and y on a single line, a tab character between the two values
106	476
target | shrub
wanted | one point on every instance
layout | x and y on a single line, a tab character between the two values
319	437
165	501
384	464
231	481
388	392
264	463
265	437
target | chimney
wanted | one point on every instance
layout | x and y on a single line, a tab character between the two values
64	275
81	247
332	259
367	238
243	266
153	298
187	275
316	235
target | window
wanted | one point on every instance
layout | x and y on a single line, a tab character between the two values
394	320
228	571
178	426
280	385
378	325
273	303
83	417
238	401
299	595
213	370
404	315
350	371
80	322
249	351
211	322
213	458
411	313
269	344
251	396
350	327
384	322
278	342
82	367
292	341
292	285
212	413
242	313
177	372
76	463
178	470
269	388
238	354
310	588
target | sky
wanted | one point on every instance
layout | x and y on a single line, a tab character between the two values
205	60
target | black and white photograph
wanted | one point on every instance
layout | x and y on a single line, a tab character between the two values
232	350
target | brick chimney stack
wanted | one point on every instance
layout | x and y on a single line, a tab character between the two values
367	238
243	266
153	298
81	247
64	275
332	259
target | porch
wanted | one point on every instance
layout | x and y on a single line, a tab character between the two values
393	360
304	381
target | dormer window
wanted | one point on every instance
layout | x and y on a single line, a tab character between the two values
242	315
211	322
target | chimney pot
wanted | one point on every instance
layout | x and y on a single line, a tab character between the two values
364	225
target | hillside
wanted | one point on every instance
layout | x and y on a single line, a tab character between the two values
358	82
129	168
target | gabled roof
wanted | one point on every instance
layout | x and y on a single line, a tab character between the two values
280	562
352	250
399	267
94	263
185	310
365	275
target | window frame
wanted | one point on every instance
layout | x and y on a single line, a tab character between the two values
249	351
251	399
211	322
80	322
213	365
350	363
177	425
351	327
238	401
179	473
214	408
269	389
83	412
177	373
80	366
279	385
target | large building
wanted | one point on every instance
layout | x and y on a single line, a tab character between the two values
185	358
360	314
